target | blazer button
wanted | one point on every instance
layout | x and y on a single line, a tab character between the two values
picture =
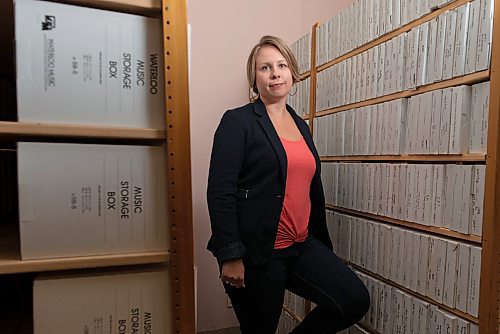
279	196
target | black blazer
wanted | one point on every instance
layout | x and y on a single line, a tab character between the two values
246	186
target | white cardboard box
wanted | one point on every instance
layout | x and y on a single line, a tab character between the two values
436	320
381	69
484	35
423	265
109	199
461	40
440	46
449	47
438	181
413	273
389	248
473	30
462	326
423	49
88	66
435	121
399	44
444	132
431	54
388	68
408	263
460	120
450	274
462	277
480	105
449	322
374	74
402	192
406	316
474	280
411	58
117	303
450	198
437	261
419	194
411	124
424	130
427	202
421	319
465	199
477	202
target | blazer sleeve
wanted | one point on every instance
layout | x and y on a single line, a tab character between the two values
225	165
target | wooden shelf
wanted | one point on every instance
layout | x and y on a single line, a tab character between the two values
469	79
11	263
142	7
466	316
305	75
10	259
409	158
27	129
392	34
428	229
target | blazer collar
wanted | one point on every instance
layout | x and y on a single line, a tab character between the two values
271	134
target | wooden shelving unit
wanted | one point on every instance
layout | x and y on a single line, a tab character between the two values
489	302
179	258
408	158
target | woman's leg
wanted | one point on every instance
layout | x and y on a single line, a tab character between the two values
321	277
258	305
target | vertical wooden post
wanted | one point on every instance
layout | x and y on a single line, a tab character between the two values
490	257
312	80
179	165
312	103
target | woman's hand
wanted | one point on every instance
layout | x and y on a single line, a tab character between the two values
233	273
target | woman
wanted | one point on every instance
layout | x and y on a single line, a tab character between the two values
267	208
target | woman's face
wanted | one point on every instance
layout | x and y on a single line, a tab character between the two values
272	76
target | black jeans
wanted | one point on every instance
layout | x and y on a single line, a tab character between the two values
307	269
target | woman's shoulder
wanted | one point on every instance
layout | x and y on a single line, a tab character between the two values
240	113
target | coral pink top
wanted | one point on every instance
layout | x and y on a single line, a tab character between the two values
294	217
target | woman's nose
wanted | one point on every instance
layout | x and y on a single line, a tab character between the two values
275	73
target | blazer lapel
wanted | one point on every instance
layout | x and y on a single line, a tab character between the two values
272	136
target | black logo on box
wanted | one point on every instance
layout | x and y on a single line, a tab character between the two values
49	23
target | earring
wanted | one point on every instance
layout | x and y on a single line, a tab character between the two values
295	91
252	96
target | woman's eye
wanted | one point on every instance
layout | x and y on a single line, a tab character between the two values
264	68
283	65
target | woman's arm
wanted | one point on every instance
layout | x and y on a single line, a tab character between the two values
225	166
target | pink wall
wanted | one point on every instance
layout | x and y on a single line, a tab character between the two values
222	34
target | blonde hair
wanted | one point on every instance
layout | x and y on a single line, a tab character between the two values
283	49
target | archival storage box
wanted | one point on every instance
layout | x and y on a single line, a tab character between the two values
82	199
104	302
88	66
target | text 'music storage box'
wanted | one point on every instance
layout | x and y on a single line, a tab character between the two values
79	199
88	66
115	302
